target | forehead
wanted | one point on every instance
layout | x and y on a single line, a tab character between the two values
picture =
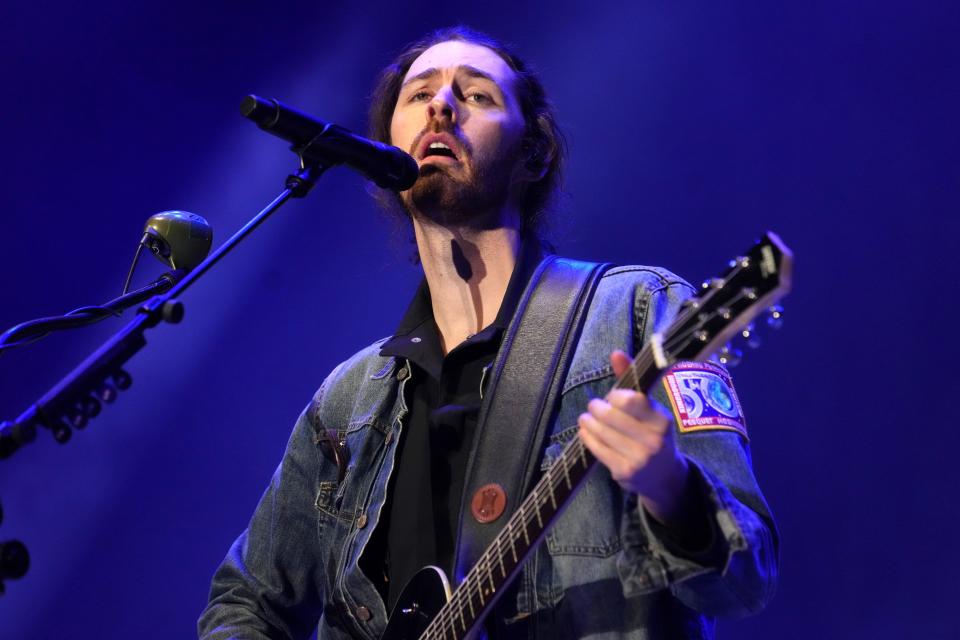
454	53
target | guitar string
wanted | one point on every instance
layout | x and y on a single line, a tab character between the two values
472	584
566	460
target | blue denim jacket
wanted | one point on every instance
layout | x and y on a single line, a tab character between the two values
602	570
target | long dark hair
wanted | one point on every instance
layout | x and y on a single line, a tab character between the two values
543	142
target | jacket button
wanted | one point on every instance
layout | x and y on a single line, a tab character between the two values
403	373
363	614
361	523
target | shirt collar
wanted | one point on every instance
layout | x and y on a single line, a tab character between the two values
417	330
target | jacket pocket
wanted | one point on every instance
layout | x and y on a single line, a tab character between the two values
589	526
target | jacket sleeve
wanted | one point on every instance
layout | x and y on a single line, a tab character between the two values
269	585
737	574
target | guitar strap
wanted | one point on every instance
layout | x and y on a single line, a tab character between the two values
521	400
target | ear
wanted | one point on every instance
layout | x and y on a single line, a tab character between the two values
537	155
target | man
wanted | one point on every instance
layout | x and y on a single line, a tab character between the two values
669	533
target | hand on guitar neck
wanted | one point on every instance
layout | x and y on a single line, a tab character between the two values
634	440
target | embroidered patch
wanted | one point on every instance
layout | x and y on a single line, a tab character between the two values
703	398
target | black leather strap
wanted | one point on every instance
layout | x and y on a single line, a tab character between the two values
523	394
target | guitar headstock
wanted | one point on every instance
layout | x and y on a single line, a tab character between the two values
727	305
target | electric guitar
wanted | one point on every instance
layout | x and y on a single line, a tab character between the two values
427	608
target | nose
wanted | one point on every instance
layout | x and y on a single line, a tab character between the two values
442	107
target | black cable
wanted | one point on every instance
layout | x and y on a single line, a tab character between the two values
33	330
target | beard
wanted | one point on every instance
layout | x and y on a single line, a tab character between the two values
472	199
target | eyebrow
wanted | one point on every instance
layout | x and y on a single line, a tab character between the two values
470	71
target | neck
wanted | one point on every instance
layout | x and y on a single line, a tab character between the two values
467	271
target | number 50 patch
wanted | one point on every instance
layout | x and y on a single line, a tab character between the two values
703	398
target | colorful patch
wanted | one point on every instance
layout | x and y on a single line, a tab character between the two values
703	398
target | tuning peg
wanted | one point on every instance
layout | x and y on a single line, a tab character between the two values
730	356
122	380
713	283
750	336
775	317
106	392
61	431
83	411
78	417
91	406
740	261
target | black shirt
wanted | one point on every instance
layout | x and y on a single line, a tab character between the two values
422	510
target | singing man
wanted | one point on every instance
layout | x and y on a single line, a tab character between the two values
669	532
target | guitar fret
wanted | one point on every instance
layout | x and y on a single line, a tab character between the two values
566	472
480	595
503	571
493	587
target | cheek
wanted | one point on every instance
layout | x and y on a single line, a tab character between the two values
400	131
500	136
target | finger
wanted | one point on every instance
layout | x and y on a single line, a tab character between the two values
632	402
640	423
627	446
620	362
608	456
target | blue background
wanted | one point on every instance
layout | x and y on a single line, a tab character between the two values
693	127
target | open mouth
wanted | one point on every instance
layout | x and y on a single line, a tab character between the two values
439	149
440	145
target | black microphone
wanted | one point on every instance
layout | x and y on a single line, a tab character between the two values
330	144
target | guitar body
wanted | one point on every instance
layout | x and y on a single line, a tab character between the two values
421	599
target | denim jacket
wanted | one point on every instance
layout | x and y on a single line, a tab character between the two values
604	568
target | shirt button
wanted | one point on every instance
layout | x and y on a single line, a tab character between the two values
362	521
403	374
363	613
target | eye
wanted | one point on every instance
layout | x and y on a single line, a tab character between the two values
478	98
419	96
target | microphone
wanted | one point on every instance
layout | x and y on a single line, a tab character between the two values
330	144
180	239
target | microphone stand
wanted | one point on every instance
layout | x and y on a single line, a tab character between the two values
97	380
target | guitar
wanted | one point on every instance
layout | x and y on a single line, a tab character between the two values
429	610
